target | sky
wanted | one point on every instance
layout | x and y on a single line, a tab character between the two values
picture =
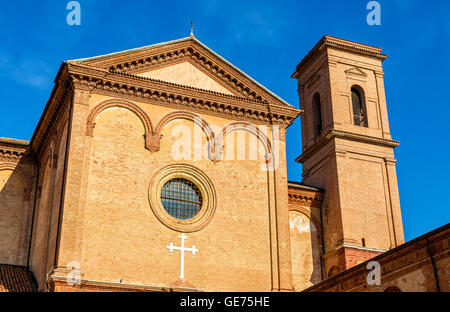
266	39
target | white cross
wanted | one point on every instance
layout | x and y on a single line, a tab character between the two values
171	247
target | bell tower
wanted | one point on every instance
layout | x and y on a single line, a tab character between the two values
348	151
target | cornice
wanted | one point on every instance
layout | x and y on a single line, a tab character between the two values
190	49
340	44
305	197
52	116
345	135
304	200
13	149
15	142
52	111
301	186
354	47
99	79
361	137
11	154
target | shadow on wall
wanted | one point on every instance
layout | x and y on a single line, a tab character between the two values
316	251
305	250
16	207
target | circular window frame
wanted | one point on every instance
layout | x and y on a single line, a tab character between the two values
205	186
179	194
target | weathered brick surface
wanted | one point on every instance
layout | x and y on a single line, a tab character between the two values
103	138
305	235
120	237
17	174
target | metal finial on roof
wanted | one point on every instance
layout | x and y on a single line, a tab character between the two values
192	29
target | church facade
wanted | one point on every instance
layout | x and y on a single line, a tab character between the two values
164	168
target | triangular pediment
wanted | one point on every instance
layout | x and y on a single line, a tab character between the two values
186	74
356	71
186	62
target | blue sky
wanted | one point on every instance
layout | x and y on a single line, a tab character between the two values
266	39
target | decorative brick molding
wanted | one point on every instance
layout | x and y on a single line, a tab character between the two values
139	60
197	120
140	88
117	73
13	150
246	127
342	44
304	195
332	134
150	143
56	109
153	135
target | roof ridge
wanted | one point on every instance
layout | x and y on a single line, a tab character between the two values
242	72
194	39
14	141
98	57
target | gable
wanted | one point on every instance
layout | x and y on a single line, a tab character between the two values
186	74
229	79
355	71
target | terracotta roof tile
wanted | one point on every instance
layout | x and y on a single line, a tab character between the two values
15	279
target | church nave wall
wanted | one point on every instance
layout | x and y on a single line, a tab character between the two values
121	239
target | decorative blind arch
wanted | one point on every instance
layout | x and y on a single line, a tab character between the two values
151	143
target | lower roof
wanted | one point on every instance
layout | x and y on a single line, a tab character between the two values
15	279
14	141
302	186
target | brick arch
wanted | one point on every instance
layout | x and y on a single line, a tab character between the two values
197	120
250	128
22	172
312	218
240	126
17	246
150	143
393	289
333	271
